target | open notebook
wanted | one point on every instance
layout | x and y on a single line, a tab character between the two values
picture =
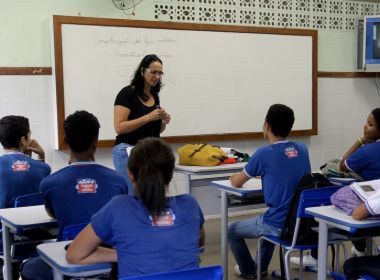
366	189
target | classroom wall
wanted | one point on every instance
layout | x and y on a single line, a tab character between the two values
25	38
24	27
343	107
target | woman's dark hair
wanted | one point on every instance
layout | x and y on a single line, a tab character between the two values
81	130
376	115
152	163
138	79
280	119
12	129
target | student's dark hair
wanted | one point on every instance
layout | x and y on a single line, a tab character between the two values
12	129
376	115
280	119
152	163
138	79
81	129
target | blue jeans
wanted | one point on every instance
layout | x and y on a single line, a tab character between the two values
36	269
120	161
251	228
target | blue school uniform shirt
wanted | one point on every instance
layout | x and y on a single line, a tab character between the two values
19	175
146	246
366	161
78	191
281	167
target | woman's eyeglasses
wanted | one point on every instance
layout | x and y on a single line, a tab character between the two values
155	72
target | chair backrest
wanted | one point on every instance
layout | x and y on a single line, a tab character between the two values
314	198
202	273
29	200
70	232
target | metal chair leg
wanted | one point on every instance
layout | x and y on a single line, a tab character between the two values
301	264
287	264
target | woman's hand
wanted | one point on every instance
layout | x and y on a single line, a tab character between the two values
166	119
155	115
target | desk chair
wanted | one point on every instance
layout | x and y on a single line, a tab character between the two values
338	276
25	245
70	232
308	198
201	273
29	200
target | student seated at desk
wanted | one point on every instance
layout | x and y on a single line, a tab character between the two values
281	165
76	192
19	173
368	265
150	231
363	159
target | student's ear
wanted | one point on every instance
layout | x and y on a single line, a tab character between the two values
65	139
142	71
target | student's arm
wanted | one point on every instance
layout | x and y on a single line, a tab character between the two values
350	151
202	237
35	147
238	179
85	249
122	125
360	212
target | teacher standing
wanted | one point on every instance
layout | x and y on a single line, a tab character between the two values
137	112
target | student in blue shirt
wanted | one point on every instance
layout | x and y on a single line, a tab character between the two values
363	159
281	165
363	156
150	231
19	173
76	192
366	265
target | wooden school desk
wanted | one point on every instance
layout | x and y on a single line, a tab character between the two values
251	187
217	172
333	217
17	220
54	254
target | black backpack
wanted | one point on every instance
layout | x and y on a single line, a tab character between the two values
305	233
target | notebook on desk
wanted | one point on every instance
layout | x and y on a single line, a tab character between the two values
366	189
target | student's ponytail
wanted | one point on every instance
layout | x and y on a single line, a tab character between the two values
152	163
152	188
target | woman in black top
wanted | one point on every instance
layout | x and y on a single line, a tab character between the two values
137	112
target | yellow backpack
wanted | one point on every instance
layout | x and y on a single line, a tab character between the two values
200	155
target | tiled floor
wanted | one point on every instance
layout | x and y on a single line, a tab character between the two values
212	255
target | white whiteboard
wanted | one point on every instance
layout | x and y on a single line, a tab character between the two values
214	82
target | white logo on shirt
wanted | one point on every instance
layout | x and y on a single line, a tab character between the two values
20	165
291	152
86	186
165	219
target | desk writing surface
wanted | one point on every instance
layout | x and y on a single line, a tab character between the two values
250	186
200	169
54	253
335	215
26	216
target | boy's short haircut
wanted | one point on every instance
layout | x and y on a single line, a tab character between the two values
81	129
12	129
280	119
